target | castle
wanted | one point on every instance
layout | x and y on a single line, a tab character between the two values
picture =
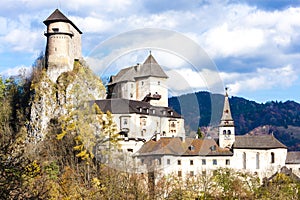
152	132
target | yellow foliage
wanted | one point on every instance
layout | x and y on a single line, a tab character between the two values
61	135
78	147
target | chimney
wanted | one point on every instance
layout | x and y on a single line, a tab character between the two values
183	138
157	136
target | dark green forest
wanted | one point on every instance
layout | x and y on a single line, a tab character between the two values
281	118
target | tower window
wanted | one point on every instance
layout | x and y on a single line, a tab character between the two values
229	132
55	30
272	157
224	132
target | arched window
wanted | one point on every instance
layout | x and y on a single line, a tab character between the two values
229	132
272	157
224	132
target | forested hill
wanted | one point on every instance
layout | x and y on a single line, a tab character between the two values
247	115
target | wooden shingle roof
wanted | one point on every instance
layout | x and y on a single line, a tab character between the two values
58	16
257	142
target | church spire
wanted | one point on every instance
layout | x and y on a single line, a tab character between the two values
226	115
226	127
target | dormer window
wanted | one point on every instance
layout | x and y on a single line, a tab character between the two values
191	148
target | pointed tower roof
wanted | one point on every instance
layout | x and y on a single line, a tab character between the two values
226	115
151	68
58	16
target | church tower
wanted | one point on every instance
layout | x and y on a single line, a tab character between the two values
226	127
63	44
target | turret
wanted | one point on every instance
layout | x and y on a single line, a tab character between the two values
63	44
226	127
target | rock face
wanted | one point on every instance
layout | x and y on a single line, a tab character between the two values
52	100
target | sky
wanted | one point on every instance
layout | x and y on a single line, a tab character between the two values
251	46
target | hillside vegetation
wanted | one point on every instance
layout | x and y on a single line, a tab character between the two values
283	117
65	163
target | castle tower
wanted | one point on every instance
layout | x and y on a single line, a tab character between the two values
63	44
226	127
142	82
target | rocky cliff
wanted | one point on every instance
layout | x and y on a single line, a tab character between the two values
51	100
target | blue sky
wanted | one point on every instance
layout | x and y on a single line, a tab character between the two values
255	44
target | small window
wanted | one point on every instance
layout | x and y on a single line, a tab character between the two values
131	95
229	132
191	173
272	157
158	83
178	162
257	160
159	161
203	162
191	148
224	132
55	30
204	173
142	161
191	162
125	121
244	160
179	173
130	150
142	82
168	161
227	162
215	162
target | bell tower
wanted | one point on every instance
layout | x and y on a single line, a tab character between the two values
226	127
63	44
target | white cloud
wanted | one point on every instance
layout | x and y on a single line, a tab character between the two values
261	79
224	41
19	70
